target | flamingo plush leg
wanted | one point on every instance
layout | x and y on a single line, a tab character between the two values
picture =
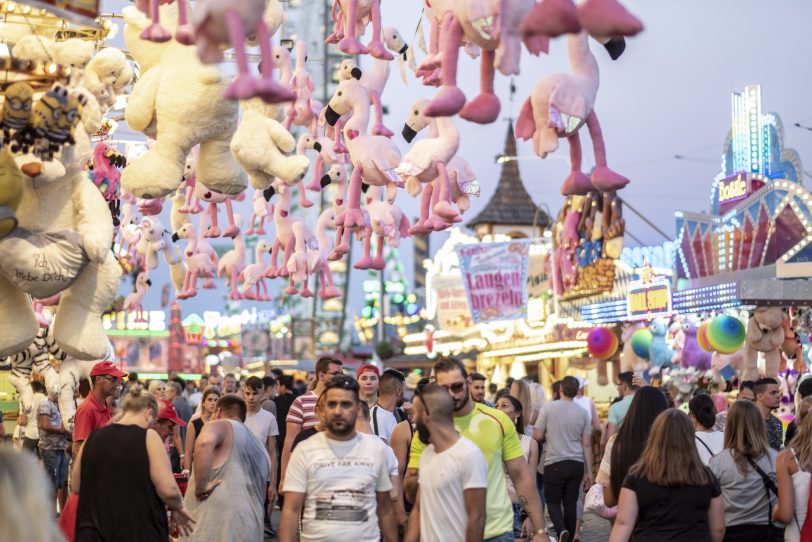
352	217
338	134
366	260
305	290
251	230
155	32
443	207
303	201
576	182
261	229
318	170
283	271
184	33
431	61
483	109
435	223
450	99
375	47
551	18
419	228
243	86
214	230
191	289
378	263
603	178
272	269
232	230
378	128
234	294
291	289
265	296
327	276
349	44
267	88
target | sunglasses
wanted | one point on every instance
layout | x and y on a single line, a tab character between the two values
456	387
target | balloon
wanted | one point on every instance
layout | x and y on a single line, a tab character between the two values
702	336
602	343
640	341
726	334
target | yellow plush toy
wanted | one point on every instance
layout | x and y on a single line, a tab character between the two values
11	192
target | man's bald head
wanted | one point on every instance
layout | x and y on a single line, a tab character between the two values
437	403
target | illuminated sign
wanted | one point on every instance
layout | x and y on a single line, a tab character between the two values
129	321
734	188
647	300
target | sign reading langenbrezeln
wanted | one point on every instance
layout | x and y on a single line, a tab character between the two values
495	279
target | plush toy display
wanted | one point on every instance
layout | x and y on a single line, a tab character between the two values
693	356
179	103
659	352
765	333
350	18
106	76
558	107
11	192
62	243
600	17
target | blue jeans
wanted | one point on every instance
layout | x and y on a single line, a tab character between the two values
507	537
56	467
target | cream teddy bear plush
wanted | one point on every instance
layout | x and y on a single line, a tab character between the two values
35	48
261	145
178	102
62	243
74	53
106	76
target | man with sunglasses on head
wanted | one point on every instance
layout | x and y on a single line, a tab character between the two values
337	481
93	413
495	435
302	413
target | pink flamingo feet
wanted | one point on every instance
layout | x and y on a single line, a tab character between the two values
330	292
234	295
185	34
305	292
606	180
484	109
447	103
352	218
351	46
156	33
186	294
576	184
381	130
212	232
433	79
272	92
377	50
378	263
445	211
435	223
608	18
242	87
364	263
419	229
209	284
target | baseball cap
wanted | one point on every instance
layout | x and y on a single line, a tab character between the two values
168	412
107	367
368	367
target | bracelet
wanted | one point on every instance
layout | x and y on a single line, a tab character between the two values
542	531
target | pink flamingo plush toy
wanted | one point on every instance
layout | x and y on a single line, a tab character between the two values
350	17
133	302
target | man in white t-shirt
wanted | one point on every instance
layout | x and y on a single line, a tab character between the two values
339	478
261	423
28	418
385	414
453	476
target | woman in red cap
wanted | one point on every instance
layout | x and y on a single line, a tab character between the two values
368	381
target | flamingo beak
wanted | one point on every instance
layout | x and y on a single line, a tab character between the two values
615	47
175	237
331	116
364	188
317	146
325	181
408	133
268	193
149	282
356	73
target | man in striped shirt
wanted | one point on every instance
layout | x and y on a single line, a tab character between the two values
302	413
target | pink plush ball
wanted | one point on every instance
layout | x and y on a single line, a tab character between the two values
602	343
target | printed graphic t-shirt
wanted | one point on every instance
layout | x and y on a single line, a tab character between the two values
340	480
495	436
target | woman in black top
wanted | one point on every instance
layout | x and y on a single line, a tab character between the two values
210	397
126	480
669	495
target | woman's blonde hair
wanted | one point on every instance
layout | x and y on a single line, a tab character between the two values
802	442
521	391
139	400
154	385
28	504
670	458
745	434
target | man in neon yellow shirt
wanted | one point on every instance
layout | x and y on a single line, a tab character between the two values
495	435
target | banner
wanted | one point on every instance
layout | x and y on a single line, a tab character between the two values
495	279
452	303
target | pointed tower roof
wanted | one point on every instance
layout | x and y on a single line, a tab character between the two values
510	204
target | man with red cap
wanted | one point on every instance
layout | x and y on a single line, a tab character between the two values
167	420
368	382
92	414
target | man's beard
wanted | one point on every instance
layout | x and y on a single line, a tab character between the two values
459	404
340	428
423	432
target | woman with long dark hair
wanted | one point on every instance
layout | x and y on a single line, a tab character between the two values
624	447
669	495
746	473
702	412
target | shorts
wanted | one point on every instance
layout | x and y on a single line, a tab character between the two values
56	467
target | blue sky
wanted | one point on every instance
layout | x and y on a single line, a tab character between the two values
669	94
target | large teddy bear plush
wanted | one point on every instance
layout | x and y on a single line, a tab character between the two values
261	146
62	244
179	103
765	333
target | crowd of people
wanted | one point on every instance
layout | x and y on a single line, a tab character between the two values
376	456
